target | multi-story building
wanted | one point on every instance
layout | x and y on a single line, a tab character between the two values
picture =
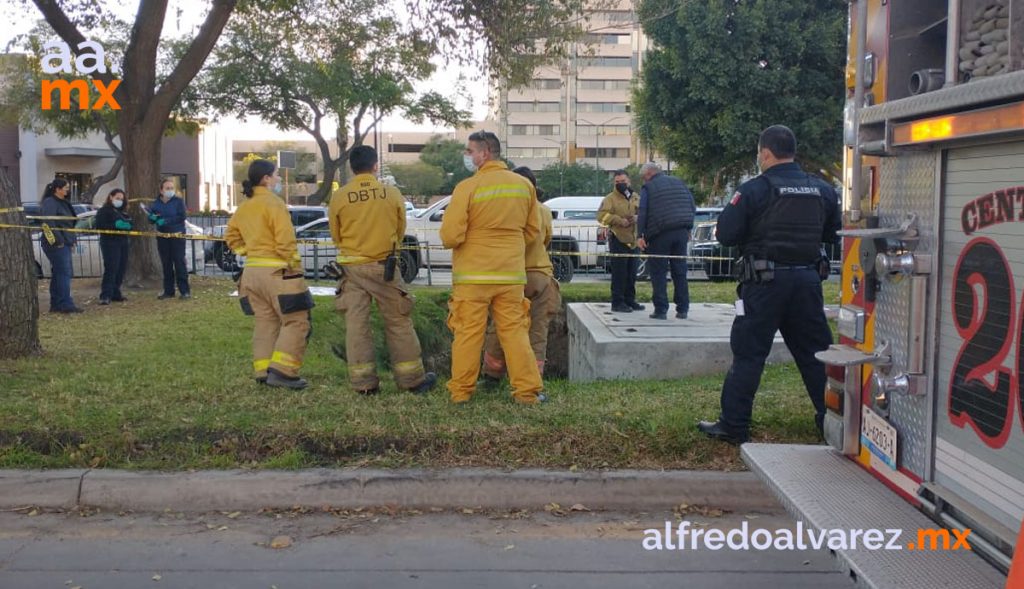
579	111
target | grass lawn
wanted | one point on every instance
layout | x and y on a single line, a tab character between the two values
167	385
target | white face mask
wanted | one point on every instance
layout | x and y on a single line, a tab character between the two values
168	194
467	160
118	204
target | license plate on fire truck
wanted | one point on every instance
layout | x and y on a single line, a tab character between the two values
878	436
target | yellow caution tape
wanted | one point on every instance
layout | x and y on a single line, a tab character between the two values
12	210
186	236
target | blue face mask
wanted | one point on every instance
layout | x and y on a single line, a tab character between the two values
467	160
276	188
118	204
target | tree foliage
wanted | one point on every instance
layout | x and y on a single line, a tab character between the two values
579	179
508	38
446	154
23	78
418	178
724	70
323	65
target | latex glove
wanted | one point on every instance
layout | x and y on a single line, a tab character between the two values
161	222
122	225
153	217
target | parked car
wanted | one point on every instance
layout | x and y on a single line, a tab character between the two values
86	258
317	255
221	255
574	223
717	259
34	209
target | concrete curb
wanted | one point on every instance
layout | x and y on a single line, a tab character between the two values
634	490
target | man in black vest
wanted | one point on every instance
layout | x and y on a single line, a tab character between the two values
779	221
663	224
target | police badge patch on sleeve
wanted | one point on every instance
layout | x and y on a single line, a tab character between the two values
735	198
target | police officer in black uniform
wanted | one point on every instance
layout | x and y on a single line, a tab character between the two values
779	221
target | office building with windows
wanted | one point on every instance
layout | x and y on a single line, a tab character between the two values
579	111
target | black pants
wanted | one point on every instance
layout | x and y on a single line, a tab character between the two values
115	263
172	258
791	303
671	243
623	272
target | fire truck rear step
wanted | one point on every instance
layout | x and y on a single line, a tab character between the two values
827	491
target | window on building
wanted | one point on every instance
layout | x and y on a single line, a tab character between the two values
608	39
534	106
535	130
78	184
606	62
620	16
532	152
607	152
546	84
405	147
605	84
602	107
602	130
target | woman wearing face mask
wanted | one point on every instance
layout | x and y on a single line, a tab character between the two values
112	216
272	288
57	244
168	214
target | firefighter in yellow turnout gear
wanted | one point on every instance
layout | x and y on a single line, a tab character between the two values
541	290
367	221
272	287
489	221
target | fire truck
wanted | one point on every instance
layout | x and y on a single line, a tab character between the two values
925	421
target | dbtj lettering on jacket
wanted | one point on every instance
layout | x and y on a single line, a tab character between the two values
365	195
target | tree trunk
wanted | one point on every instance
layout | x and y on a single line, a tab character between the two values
142	181
19	295
330	170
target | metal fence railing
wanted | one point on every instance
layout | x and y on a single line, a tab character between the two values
427	263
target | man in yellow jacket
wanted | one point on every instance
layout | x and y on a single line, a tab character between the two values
489	221
272	287
367	222
618	212
541	290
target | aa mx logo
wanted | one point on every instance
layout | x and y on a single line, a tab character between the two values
91	59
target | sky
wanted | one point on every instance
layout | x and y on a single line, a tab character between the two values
23	14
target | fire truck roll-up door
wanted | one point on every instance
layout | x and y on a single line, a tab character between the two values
979	422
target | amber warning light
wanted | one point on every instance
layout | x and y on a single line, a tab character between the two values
971	124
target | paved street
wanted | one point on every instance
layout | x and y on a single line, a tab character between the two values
371	549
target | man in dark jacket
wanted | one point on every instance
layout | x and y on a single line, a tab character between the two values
663	224
779	221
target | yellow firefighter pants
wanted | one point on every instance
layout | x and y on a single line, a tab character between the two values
279	336
467	318
545	299
361	285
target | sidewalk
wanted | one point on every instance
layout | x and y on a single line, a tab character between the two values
409	488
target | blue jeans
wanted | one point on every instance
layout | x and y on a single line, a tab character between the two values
791	303
60	278
671	243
